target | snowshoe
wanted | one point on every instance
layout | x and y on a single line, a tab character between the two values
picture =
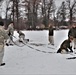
71	58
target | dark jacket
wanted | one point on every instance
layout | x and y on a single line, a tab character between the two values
51	31
72	32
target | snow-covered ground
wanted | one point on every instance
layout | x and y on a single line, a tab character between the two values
36	58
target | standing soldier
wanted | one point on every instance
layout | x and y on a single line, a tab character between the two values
72	32
51	33
10	33
3	37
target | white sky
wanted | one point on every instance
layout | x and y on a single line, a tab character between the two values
58	2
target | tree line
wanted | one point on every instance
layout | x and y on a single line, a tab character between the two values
38	13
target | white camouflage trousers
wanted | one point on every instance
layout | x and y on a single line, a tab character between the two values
21	38
1	53
51	40
9	41
75	43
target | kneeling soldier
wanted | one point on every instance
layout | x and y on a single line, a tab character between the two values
21	36
65	46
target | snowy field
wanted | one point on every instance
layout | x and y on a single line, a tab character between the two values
37	57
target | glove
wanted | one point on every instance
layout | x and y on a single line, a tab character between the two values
9	34
7	44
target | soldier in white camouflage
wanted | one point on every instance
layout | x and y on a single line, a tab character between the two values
10	33
21	36
3	38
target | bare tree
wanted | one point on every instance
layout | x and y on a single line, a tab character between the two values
61	13
1	1
71	6
7	10
14	11
48	9
32	10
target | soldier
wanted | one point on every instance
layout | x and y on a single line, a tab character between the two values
21	36
3	37
72	32
51	33
66	46
10	33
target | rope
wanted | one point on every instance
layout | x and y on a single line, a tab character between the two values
39	49
17	44
33	47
